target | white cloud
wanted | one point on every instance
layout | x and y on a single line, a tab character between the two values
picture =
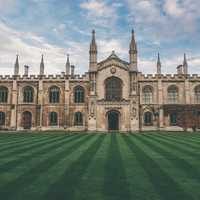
30	47
100	13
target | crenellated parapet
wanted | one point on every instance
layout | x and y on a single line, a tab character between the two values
168	77
44	77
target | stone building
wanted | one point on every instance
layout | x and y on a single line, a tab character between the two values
112	95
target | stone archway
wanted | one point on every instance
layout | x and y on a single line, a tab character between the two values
27	120
113	118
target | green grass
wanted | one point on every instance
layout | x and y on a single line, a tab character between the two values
100	166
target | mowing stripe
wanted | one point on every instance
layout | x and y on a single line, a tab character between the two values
178	147
73	174
165	186
27	147
115	181
183	170
181	141
137	177
27	142
36	152
21	138
37	170
93	178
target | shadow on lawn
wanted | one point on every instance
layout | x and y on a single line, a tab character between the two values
163	184
115	184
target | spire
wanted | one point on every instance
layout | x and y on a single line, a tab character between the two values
67	66
158	65
133	53
185	65
93	46
42	65
133	45
93	53
16	67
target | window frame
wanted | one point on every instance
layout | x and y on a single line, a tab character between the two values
28	94
3	94
54	95
79	94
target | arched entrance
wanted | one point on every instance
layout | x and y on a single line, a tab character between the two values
113	120
27	120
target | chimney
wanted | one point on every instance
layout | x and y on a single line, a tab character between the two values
180	69
72	70
26	68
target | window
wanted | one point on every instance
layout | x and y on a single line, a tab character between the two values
79	94
54	95
28	94
113	89
148	119
53	119
78	119
3	95
173	119
147	95
197	94
2	118
172	94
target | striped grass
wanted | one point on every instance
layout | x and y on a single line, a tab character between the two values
150	166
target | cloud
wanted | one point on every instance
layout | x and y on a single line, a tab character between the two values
30	47
100	13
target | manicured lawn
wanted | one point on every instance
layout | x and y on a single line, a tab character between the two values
100	166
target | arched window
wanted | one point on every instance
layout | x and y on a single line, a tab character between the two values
173	94
113	89
28	94
173	119
148	119
79	94
2	118
147	95
3	94
197	94
78	119
54	95
53	119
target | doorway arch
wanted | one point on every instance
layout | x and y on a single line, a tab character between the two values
113	120
27	120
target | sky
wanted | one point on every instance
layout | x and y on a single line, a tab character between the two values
56	28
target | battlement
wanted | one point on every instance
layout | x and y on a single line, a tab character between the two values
44	77
154	77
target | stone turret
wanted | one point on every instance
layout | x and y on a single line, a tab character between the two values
16	67
93	53
158	65
133	53
67	66
185	65
42	66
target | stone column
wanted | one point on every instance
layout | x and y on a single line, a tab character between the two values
40	103
187	91
161	118
66	104
13	121
160	103
92	124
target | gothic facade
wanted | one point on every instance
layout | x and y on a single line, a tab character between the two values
112	96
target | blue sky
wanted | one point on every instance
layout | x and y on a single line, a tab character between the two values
58	27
